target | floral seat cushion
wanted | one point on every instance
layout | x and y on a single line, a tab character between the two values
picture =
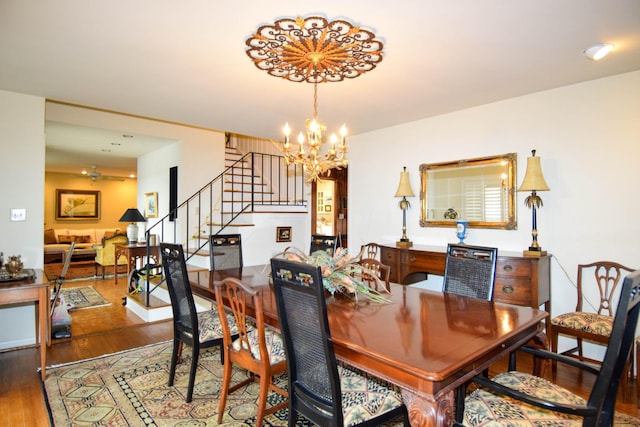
588	322
483	408
365	397
275	345
210	328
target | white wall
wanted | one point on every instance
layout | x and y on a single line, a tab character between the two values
22	181
587	136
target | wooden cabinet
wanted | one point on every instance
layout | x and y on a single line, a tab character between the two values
519	280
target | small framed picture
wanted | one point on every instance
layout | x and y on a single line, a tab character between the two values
327	208
283	234
151	205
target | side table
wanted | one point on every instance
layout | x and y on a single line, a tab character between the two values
26	290
133	253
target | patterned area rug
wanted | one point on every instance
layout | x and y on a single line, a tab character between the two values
130	389
82	297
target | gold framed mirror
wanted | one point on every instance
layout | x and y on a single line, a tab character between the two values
481	191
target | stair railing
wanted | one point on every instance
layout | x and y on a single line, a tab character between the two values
256	179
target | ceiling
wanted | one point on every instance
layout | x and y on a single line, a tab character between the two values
186	62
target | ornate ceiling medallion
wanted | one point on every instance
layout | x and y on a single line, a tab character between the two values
293	48
314	50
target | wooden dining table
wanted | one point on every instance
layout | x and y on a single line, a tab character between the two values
425	342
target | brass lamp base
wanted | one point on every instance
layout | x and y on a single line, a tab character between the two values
403	244
534	254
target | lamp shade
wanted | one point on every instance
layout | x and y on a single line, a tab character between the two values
132	215
404	188
533	178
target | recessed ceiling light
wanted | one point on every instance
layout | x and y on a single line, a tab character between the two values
598	51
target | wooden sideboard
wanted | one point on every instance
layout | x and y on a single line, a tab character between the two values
519	280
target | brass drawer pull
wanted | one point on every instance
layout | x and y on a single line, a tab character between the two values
508	267
412	259
507	289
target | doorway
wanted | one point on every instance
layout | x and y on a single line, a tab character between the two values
329	200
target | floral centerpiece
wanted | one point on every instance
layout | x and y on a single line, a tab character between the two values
340	273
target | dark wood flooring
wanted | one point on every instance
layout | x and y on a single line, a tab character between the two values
113	328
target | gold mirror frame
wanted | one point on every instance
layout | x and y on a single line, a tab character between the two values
464	171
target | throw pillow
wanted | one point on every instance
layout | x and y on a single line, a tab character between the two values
83	239
50	237
108	234
66	238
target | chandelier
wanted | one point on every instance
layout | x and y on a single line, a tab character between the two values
314	50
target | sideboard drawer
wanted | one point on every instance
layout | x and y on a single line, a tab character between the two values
389	257
512	290
513	267
416	261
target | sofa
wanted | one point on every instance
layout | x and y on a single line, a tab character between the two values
57	241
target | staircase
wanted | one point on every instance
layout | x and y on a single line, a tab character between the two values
251	184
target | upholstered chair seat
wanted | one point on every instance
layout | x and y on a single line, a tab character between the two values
485	408
210	328
588	322
275	346
365	397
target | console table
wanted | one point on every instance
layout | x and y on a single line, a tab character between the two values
520	280
133	253
30	289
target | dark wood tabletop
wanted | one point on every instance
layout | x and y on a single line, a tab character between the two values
425	342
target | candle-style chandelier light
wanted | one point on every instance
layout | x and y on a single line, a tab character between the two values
314	50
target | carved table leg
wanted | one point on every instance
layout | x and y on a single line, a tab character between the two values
425	411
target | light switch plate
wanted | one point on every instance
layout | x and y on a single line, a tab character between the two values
18	214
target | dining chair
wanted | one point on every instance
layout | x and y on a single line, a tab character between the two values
225	251
470	271
531	400
588	326
323	243
375	274
257	348
197	330
370	250
320	389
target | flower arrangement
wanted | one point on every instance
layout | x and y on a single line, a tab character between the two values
340	273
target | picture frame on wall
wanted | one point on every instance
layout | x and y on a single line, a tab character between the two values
77	204
151	205
283	234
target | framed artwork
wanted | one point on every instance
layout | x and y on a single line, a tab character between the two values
151	205
77	204
283	234
327	208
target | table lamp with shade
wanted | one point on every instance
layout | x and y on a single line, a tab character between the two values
404	191
132	216
534	181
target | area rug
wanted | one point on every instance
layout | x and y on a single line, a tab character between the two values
130	389
82	297
79	271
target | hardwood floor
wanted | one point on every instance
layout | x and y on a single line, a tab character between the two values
113	328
